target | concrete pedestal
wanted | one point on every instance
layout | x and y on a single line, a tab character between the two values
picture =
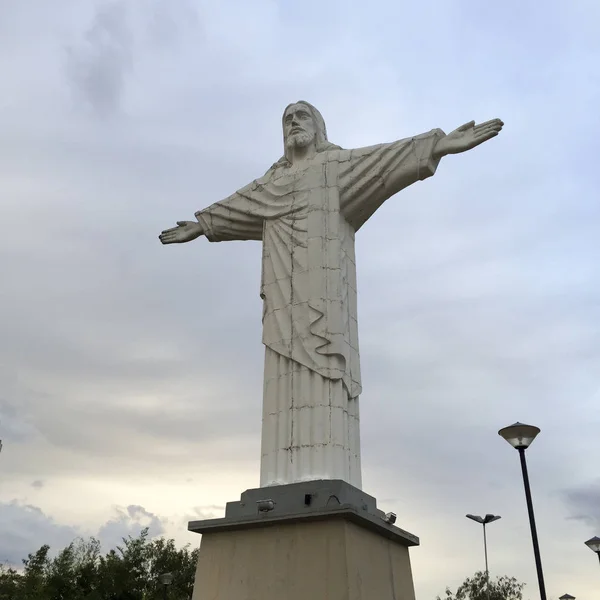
319	540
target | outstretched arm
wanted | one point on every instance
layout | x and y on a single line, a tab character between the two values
238	217
369	176
467	136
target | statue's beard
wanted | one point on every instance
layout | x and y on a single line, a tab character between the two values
299	140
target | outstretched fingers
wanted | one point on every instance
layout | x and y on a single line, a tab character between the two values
497	126
490	127
488	136
486	132
493	124
490	122
168	236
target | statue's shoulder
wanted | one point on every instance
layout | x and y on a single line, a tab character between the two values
348	154
269	175
334	153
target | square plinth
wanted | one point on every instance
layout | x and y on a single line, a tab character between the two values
317	540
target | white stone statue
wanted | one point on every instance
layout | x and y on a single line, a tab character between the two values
305	210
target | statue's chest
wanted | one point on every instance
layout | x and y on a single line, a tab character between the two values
304	190
309	178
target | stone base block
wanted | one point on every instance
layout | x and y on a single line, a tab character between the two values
300	542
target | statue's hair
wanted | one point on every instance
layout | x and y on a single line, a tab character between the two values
322	143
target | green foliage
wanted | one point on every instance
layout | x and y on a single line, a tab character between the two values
81	572
9	583
479	587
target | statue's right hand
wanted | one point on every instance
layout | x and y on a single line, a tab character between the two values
186	231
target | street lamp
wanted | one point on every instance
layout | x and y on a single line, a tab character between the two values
521	436
567	597
484	521
594	544
166	579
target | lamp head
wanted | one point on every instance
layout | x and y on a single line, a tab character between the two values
475	518
166	578
484	520
594	544
491	518
519	435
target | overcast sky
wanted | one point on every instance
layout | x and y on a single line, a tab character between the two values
131	373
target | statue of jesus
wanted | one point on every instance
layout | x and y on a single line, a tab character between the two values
306	209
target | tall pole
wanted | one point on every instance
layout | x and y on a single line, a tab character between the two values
165	586
534	538
489	518
487	572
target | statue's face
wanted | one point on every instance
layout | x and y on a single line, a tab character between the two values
299	128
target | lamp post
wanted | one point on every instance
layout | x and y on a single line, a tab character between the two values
484	521
520	436
594	544
166	579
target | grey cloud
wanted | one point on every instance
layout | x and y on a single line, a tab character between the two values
86	435
38	484
25	528
583	503
129	521
123	37
15	424
168	21
98	64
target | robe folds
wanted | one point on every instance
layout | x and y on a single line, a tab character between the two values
306	218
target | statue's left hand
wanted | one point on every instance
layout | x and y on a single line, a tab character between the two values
468	136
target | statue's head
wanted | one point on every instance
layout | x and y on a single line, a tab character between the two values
303	125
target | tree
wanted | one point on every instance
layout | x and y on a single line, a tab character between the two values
9	583
32	586
480	587
80	572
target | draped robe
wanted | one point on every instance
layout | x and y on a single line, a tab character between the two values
306	218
